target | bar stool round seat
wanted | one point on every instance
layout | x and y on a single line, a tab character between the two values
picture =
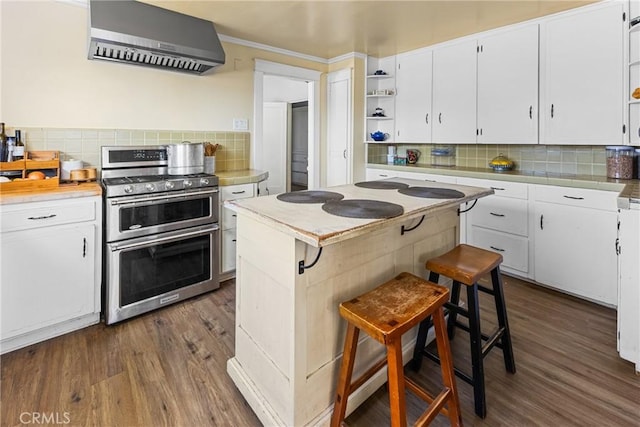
466	265
385	314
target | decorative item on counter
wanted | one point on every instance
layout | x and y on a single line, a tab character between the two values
83	175
4	146
620	161
66	166
379	136
18	149
501	163
379	73
400	161
636	93
210	157
443	156
391	154
413	156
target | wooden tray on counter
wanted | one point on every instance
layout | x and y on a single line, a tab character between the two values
46	161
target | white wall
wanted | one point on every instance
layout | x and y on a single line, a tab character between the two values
47	80
282	89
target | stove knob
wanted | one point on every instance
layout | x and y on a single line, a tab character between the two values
128	189
188	183
169	185
204	181
150	187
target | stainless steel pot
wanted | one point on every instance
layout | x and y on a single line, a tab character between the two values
185	159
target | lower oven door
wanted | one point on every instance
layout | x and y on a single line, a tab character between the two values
146	273
134	216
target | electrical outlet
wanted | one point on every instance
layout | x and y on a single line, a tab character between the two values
240	124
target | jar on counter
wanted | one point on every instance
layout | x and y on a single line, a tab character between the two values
620	161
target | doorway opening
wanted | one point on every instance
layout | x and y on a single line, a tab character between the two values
299	146
272	143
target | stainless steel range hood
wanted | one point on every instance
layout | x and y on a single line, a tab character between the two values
142	34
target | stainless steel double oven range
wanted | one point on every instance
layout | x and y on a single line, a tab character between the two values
161	232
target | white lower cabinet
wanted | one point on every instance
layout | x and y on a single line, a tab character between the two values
51	269
228	226
575	242
629	286
500	223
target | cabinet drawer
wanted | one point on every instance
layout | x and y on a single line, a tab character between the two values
501	214
595	199
374	174
516	190
240	191
514	249
229	218
38	214
228	250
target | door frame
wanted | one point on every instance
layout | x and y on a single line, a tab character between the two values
312	78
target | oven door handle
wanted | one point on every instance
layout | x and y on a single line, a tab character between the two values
164	197
116	247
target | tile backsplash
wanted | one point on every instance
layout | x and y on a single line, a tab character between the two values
565	159
84	144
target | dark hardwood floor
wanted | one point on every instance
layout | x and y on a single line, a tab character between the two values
169	368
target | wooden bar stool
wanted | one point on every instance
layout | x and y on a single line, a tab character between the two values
466	265
385	313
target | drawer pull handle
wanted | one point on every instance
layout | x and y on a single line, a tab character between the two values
237	192
573	198
233	240
541	222
497	189
383	175
42	217
496	249
234	215
496	214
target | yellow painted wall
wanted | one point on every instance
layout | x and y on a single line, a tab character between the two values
47	80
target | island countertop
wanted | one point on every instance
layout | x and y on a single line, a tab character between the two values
310	224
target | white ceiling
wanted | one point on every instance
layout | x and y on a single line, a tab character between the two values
328	29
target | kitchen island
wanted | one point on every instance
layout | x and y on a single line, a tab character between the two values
295	264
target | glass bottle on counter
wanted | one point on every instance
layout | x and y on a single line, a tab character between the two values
18	149
4	145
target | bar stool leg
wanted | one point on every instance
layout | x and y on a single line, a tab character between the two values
453	314
446	366
501	311
397	400
344	380
423	331
475	339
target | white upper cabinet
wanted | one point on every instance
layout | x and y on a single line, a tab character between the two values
413	97
454	93
508	87
581	65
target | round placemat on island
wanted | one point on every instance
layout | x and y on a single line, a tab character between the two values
382	185
432	192
312	196
365	209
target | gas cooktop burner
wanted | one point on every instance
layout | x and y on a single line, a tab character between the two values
432	192
366	209
381	185
309	196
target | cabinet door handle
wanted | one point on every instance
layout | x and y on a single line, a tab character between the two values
496	249
426	119
552	111
237	192
496	214
42	217
344	153
618	246
573	198
497	189
541	223
84	247
639	132
440	118
531	111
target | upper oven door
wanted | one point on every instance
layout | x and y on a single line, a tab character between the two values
136	216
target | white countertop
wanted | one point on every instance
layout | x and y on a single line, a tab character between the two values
310	224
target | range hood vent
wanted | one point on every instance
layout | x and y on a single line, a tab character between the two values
142	34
